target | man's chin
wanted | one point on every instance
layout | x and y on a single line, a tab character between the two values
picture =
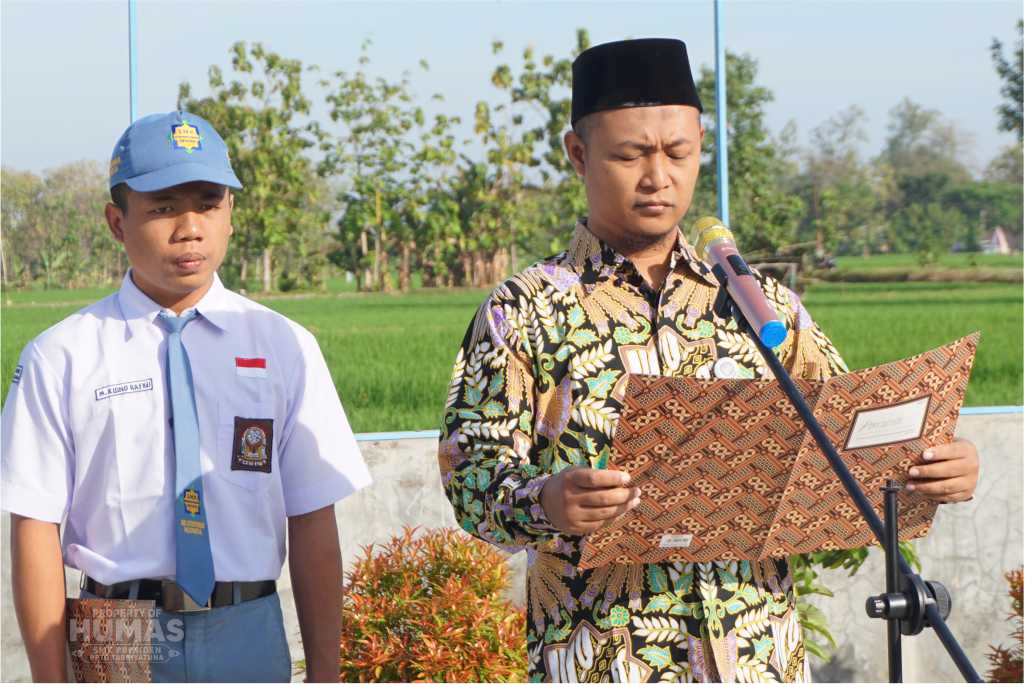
186	283
654	227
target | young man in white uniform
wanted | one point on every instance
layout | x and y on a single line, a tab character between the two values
174	427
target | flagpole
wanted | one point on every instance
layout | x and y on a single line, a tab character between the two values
721	134
132	49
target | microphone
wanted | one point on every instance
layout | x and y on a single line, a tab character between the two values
715	244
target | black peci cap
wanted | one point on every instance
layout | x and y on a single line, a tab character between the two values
632	73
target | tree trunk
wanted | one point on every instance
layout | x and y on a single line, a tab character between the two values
242	271
499	266
3	264
479	275
404	264
385	272
267	271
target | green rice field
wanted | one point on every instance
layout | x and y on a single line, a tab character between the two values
964	260
390	355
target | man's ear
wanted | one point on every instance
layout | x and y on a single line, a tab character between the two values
115	221
575	150
231	207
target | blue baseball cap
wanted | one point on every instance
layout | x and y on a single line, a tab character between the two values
163	150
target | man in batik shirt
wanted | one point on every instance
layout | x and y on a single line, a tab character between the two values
539	384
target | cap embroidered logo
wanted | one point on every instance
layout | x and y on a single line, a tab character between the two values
185	136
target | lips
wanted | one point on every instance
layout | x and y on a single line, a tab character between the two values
189	262
653	208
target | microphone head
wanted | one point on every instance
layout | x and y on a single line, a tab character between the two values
773	334
706	230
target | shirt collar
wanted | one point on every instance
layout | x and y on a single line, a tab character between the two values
589	255
138	308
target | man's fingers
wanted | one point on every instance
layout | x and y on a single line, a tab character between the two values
607	513
939	488
592	478
959	448
943	469
603	498
953	498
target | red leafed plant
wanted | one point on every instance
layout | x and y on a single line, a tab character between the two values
1007	662
429	607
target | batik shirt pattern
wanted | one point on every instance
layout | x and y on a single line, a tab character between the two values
537	387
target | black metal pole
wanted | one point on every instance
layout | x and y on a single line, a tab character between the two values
892	548
936	621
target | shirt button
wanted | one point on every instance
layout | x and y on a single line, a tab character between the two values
725	368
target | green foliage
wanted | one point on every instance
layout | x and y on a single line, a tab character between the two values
764	215
282	206
60	234
1010	72
842	193
928	230
430	608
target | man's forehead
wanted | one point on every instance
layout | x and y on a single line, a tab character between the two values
195	188
639	122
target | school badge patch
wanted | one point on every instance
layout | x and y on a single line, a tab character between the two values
185	136
191	498
253	443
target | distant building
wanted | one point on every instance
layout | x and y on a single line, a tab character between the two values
996	243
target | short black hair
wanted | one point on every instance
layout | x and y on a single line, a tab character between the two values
583	126
119	196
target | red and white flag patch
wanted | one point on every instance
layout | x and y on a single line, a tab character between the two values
251	368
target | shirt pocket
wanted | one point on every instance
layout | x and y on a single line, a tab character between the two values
247	443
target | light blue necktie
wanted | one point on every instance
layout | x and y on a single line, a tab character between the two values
194	565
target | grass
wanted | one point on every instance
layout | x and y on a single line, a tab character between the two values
945	261
391	355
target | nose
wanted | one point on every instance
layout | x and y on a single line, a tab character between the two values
187	227
655	177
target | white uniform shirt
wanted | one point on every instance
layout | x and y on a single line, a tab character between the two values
87	437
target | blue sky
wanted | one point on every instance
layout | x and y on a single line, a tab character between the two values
64	65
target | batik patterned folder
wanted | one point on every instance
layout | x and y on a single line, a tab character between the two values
728	471
112	640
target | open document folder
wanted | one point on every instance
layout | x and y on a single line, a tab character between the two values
728	471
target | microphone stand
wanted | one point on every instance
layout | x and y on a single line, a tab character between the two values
910	603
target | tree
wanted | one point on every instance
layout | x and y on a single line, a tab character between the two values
763	214
1006	167
1010	72
540	97
257	113
921	142
840	190
63	239
372	156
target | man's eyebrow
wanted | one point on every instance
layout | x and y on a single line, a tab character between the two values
645	147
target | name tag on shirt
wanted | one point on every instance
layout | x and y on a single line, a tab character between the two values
124	388
251	368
